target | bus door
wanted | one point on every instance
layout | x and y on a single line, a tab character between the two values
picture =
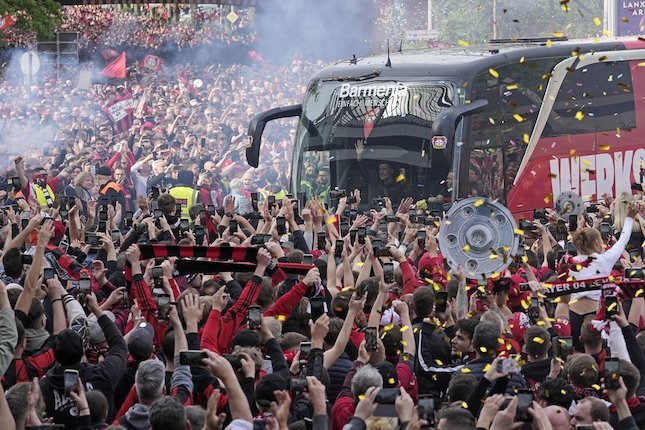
588	136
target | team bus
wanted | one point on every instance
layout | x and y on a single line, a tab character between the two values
520	121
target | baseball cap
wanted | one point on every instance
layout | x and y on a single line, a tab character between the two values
140	342
95	333
104	171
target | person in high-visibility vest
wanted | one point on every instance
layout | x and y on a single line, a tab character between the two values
184	193
109	192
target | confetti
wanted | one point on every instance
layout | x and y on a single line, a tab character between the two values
439	362
604	147
548	43
479	203
483	349
558	34
518	231
521	60
494	73
465	370
526	138
580	115
518	117
463	43
466	248
572	152
388	327
597	21
464	405
391	381
404	328
282	318
512	87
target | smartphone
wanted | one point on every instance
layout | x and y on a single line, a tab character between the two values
605	229
178	209
352	236
524	402
24	222
612	373
281	225
534	310
421	238
232	227
199	233
48	273
254	201
584	427
258	239
103	216
184	225
210	209
202	142
298	384
321	240
573	223
441	301
115	235
70	381
426	409
271	201
388	273
305	350
525	287
371	344
634	273
562	347
317	307
157	272
611	306
126	300
338	249
163	307
509	365
362	233
85	286
92	239
255	317
128	218
192	358
307	259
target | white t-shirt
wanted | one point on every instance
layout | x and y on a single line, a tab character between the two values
602	264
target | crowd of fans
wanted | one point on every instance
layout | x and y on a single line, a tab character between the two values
298	314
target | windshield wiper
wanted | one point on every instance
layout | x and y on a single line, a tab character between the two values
372	75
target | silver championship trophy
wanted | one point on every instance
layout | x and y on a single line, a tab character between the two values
479	234
569	203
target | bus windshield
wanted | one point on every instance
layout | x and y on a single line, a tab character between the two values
373	136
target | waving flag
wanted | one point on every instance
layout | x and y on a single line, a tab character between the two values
116	69
6	22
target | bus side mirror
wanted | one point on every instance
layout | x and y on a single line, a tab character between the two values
447	121
256	128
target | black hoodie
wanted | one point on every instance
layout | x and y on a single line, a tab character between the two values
102	377
535	373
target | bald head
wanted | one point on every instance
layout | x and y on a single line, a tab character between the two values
558	417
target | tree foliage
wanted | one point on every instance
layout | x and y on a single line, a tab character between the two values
39	16
473	20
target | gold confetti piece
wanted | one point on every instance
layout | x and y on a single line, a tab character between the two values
483	349
495	276
547	199
404	343
501	340
548	43
563	391
494	73
525	259
486	368
400	178
388	327
439	362
639	293
573	301
558	34
465	370
463	43
526	138
612	306
597	21
466	248
518	117
404	328
580	115
391	381
464	405
511	87
606	32
415	330
493	256
641	64
572	152
604	147
596	387
521	60
587	162
282	318
479	203
518	231
540	323
603	58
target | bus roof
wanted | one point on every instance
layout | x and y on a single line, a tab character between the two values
463	63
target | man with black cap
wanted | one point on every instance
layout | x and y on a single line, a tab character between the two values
109	192
140	348
184	193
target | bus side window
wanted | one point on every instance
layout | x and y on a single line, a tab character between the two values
596	98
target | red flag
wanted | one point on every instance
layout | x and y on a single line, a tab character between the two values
6	22
116	69
255	56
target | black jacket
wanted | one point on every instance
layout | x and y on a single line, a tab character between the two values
476	368
337	373
102	377
535	373
432	361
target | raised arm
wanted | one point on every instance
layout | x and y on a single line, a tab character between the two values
35	270
332	354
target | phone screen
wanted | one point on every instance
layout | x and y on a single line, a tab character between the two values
322	238
426	410
362	232
370	339
255	317
232	227
307	259
611	306
388	273
305	349
192	358
70	380
317	307
524	401
48	273
441	301
612	373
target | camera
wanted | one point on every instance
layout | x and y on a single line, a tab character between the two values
526	225
235	360
539	214
378	202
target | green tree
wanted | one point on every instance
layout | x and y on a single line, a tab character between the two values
39	16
